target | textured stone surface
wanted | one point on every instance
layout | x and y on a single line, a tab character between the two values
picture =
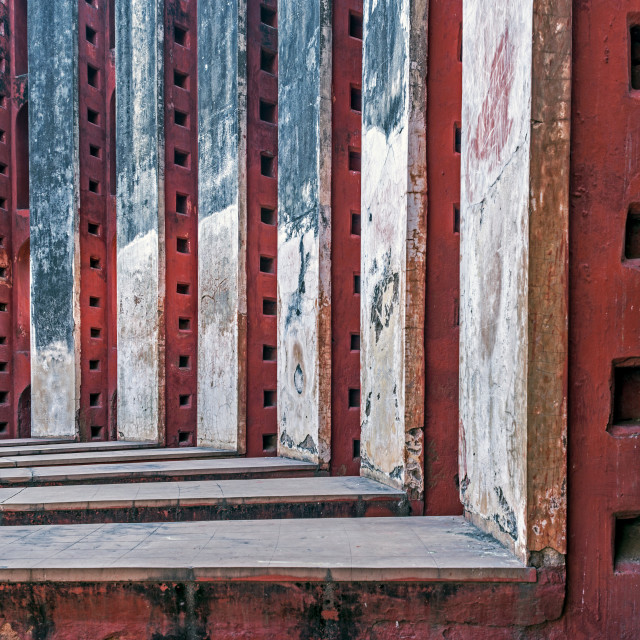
141	225
513	310
393	242
222	223
371	549
304	230
54	186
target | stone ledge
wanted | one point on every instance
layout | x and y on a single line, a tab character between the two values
433	549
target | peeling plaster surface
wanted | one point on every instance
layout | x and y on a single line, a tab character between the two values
496	115
54	176
304	229
393	243
140	260
222	222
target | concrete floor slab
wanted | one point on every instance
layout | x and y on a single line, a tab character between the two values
36	446
371	549
156	471
27	442
135	454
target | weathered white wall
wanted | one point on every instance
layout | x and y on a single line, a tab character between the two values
140	218
496	121
54	186
222	215
393	242
304	229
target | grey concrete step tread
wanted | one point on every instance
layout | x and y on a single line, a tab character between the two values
31	448
110	456
207	492
345	549
131	471
21	442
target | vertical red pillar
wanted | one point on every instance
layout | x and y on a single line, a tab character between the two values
96	84
262	239
181	183
444	104
345	237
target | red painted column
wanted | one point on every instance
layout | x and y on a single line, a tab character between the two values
96	224
444	104
604	323
181	183
262	238
345	237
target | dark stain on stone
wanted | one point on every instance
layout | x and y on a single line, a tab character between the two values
506	521
295	304
382	309
298	379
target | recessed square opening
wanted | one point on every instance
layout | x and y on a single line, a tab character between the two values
184	324
3	340
267	165
91	35
94	151
4	397
3	100
457	137
184	400
356	449
268	16
94	186
355	342
93	228
3	307
94	399
95	332
268	112
3	136
181	35
632	233
268	216
634	37
182	288
354	160
456	218
269	307
4	426
181	158
93	116
97	433
3	367
93	76
269	398
267	265
182	245
94	365
91	3
625	409
269	442
185	438
180	80
184	362
355	25
3	272
182	203
181	118
268	61
355	224
3	168
3	204
94	263
356	284
94	302
269	353
356	99
1	241
354	398
627	543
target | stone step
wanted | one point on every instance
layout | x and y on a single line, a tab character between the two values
435	549
111	456
32	447
20	442
320	497
164	470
